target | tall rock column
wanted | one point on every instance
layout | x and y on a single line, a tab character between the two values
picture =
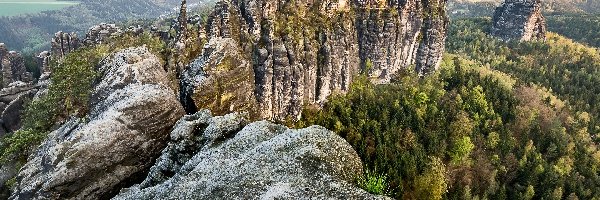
12	66
519	20
64	43
304	51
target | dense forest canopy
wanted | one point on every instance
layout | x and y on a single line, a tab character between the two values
499	121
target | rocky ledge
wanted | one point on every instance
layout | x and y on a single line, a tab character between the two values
223	158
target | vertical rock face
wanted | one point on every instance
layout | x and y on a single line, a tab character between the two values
396	34
304	51
519	20
12	67
43	61
15	89
221	79
12	101
64	43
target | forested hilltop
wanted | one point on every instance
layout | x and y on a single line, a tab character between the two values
31	33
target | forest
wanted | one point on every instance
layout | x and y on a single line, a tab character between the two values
499	121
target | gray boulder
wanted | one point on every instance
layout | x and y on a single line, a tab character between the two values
223	158
132	112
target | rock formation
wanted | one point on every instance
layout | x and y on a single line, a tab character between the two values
16	88
223	158
132	111
221	79
12	102
12	67
304	51
99	33
519	20
43	61
64	43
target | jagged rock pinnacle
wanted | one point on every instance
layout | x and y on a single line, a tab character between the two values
182	21
520	20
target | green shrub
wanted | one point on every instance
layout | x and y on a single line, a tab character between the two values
20	144
374	183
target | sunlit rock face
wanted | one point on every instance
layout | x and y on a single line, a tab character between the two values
519	20
301	52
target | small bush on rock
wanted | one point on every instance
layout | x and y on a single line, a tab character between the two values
374	183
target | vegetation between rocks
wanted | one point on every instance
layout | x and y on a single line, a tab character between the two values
67	95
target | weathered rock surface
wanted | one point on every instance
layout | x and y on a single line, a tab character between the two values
223	158
304	51
100	33
15	89
12	67
221	80
64	43
11	114
43	61
519	20
132	111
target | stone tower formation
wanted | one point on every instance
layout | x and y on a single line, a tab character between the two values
302	62
519	20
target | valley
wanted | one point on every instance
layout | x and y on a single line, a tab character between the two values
13	8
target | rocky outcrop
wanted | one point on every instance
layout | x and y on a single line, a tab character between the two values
223	158
304	51
12	101
132	111
519	20
100	33
15	90
43	61
221	79
64	43
12	67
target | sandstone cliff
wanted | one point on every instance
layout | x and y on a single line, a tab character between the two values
301	52
64	43
519	20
